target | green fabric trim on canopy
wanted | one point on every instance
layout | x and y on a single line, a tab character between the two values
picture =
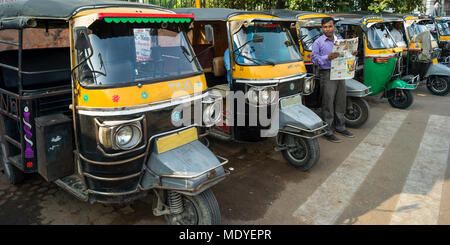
146	20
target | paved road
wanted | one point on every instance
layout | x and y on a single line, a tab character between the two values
394	172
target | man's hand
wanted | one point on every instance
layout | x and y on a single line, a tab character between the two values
355	53
333	55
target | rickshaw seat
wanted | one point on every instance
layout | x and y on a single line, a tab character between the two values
219	67
36	60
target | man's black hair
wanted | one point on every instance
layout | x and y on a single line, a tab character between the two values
327	19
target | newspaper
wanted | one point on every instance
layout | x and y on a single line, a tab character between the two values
344	66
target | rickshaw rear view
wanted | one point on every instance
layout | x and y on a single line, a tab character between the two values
100	117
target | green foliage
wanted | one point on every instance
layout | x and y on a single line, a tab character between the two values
376	6
379	5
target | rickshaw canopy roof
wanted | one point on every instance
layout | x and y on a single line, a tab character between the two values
214	14
290	14
14	14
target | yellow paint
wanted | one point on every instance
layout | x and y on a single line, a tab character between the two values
305	55
444	38
122	10
415	46
435	61
173	141
251	16
411	18
133	95
312	16
268	71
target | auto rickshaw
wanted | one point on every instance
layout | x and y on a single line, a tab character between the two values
423	53
379	58
97	117
307	30
442	35
266	67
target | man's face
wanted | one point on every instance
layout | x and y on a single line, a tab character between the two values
328	28
398	25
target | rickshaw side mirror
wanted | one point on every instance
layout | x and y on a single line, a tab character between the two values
81	38
209	33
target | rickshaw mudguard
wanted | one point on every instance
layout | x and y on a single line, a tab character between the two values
438	70
400	84
300	116
356	89
186	168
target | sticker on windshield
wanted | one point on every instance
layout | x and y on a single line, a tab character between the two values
143	43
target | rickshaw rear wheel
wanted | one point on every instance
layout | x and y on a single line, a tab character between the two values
400	98
201	209
301	153
439	85
15	176
359	114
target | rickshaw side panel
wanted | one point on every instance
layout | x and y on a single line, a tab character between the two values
377	75
438	70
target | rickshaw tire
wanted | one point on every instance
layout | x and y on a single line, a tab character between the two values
439	93
365	111
311	158
406	104
206	207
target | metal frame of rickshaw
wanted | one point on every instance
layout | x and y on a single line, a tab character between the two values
12	106
308	131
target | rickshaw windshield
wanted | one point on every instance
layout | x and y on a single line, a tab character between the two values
378	37
130	53
416	29
277	45
443	28
308	35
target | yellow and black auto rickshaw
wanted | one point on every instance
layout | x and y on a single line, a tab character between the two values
266	78
305	32
423	52
97	117
441	33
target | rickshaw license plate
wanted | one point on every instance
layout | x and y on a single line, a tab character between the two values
435	61
291	101
175	140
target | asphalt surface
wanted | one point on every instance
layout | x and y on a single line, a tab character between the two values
393	172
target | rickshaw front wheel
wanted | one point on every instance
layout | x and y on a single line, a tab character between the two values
201	209
301	153
439	85
400	98
359	113
15	176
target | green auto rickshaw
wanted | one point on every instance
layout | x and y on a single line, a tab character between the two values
379	58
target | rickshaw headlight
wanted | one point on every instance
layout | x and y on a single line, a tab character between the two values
252	95
308	85
128	136
212	113
124	135
266	95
